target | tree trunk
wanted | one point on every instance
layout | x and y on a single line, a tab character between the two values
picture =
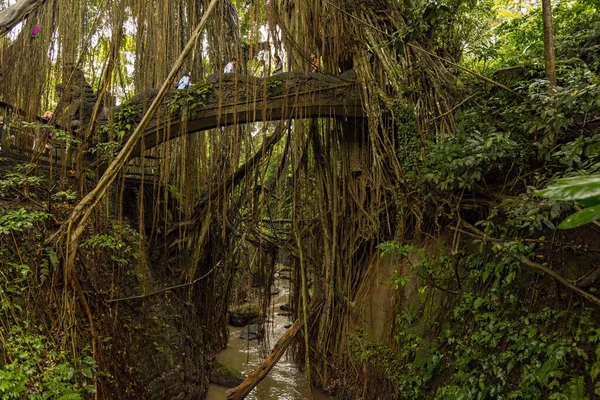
549	43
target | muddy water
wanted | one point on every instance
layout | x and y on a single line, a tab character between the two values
284	382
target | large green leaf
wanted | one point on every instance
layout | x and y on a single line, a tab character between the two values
592	201
575	188
581	217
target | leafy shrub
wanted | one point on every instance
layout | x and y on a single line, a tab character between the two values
491	345
21	220
121	252
64	196
36	370
189	99
460	161
16	180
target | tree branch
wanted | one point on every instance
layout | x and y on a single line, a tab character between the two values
11	16
539	268
233	180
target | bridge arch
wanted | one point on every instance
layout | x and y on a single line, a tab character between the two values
233	100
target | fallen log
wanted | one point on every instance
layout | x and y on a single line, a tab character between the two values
241	391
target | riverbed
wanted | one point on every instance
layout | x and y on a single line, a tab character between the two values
284	381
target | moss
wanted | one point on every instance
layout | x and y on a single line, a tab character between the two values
247	308
224	375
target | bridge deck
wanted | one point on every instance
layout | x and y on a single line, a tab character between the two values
232	101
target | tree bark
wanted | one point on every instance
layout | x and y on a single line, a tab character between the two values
549	59
11	16
241	391
588	279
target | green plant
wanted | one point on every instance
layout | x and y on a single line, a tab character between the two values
36	370
17	180
273	84
48	264
105	150
585	190
64	196
62	136
189	99
458	161
122	253
20	220
124	120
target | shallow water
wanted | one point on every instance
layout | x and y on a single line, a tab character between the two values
284	381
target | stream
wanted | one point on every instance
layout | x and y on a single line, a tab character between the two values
284	381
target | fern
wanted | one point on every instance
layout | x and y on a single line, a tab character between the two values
573	390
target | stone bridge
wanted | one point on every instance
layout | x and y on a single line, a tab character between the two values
234	100
222	101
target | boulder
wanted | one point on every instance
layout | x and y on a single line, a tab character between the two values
243	315
224	375
251	332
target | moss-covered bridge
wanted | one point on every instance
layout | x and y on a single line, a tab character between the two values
239	100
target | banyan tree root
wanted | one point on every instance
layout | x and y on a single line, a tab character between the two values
241	391
588	279
75	225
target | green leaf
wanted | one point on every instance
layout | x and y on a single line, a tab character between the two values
592	201
593	150
399	44
87	372
575	188
581	217
70	396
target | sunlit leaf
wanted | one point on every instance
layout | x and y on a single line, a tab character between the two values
579	187
581	217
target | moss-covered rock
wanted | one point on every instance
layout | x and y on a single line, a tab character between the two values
225	375
243	315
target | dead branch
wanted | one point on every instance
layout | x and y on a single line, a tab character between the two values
240	173
142	296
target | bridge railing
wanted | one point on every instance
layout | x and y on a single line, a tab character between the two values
148	167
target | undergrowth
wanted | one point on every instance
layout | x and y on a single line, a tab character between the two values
487	325
39	358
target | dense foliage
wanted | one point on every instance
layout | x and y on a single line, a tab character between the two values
504	304
488	326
